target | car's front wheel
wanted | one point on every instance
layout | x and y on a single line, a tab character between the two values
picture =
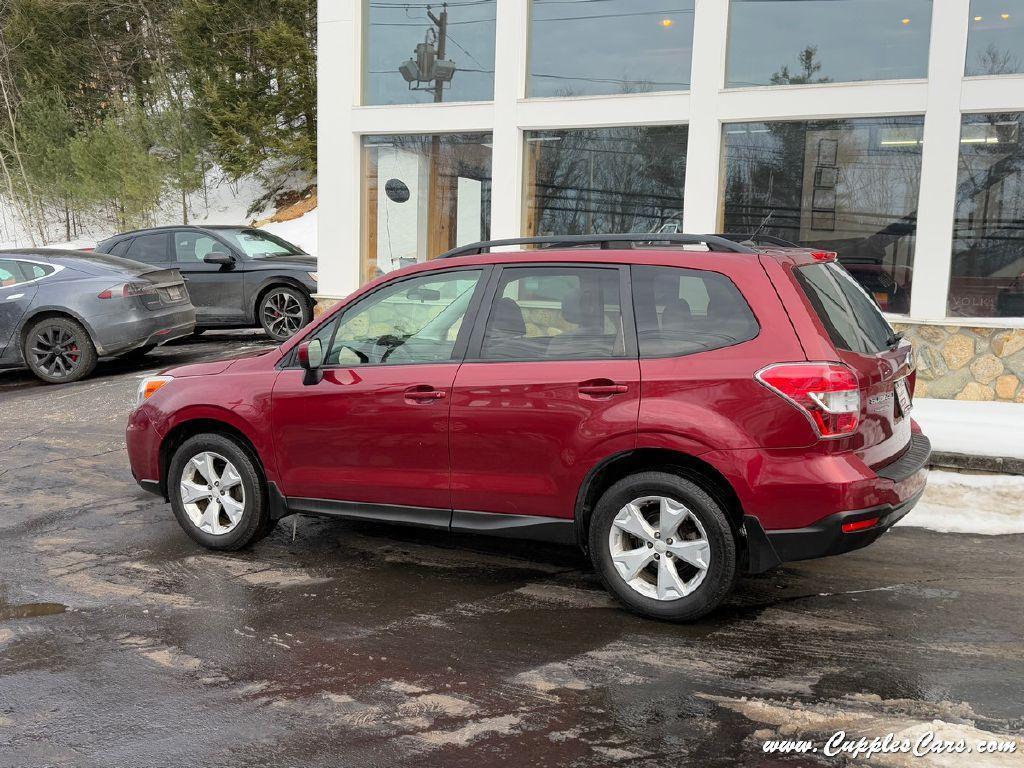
217	493
663	546
283	311
58	350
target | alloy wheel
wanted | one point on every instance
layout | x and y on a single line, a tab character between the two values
659	548
282	314
212	493
55	351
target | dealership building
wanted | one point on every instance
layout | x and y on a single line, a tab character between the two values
889	131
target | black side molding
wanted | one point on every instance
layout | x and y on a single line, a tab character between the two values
551	529
423	517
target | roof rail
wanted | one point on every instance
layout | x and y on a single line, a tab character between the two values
713	242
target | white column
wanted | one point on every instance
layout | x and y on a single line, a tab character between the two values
704	143
510	47
339	52
940	155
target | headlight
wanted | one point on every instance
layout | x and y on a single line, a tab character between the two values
315	276
148	386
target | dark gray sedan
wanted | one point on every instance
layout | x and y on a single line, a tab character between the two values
61	310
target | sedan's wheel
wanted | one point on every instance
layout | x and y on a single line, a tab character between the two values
663	546
218	493
59	350
283	311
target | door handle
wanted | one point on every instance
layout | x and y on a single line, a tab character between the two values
424	394
602	387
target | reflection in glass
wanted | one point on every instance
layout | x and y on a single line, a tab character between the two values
603	180
987	277
461	33
423	195
586	48
995	42
849	186
790	42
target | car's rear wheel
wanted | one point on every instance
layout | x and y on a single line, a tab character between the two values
58	350
663	546
217	493
283	311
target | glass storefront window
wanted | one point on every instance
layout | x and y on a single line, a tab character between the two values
789	42
603	180
849	186
423	195
419	52
587	48
987	278
995	41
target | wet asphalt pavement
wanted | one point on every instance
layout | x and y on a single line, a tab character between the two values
122	643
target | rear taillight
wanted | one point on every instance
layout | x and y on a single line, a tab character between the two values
827	393
127	290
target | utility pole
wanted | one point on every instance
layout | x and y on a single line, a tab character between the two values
441	22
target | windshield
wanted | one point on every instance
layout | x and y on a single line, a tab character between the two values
258	245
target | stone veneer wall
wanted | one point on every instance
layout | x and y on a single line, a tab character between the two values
967	362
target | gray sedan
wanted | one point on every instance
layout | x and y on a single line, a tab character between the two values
61	310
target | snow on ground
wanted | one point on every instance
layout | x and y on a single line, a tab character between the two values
977	429
957	502
301	231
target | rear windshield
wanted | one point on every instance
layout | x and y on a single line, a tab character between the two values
851	317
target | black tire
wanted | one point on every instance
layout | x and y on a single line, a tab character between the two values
283	311
255	522
58	350
721	571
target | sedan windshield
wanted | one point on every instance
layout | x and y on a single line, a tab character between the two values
257	245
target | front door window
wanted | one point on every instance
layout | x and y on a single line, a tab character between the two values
411	321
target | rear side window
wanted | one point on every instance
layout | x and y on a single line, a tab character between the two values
148	248
850	316
35	271
682	311
555	313
10	274
118	249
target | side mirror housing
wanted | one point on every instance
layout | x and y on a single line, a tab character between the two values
219	257
310	355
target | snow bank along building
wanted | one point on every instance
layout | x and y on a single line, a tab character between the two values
890	131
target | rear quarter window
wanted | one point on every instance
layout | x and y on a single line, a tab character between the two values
851	317
682	311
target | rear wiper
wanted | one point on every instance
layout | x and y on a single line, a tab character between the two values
894	338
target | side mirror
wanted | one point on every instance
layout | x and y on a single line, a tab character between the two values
311	356
218	257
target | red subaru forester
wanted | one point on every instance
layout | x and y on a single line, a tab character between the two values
685	410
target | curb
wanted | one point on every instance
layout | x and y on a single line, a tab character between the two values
1003	465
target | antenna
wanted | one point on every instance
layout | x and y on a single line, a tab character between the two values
763	224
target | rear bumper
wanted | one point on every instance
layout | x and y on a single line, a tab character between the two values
904	480
142	328
767	549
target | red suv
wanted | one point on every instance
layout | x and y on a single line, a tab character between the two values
684	410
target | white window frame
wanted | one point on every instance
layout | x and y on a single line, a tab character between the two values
705	108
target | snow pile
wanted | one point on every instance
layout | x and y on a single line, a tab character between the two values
301	231
957	502
976	429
